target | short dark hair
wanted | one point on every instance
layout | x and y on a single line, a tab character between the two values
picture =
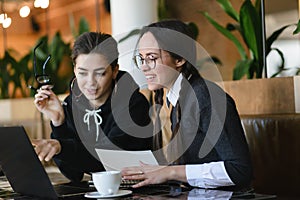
96	42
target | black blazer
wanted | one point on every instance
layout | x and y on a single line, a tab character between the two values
210	130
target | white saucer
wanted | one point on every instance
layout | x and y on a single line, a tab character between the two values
96	195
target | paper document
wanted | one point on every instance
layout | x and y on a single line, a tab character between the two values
118	159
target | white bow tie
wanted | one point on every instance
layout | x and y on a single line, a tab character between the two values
97	118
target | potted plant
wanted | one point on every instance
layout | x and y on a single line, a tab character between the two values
17	75
16	102
248	22
257	95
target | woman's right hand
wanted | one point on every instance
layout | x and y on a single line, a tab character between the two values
46	148
49	104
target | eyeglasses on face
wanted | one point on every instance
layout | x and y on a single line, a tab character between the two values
149	61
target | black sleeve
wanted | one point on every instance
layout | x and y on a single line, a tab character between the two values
67	155
73	160
131	127
66	132
233	148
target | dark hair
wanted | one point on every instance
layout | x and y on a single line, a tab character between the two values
175	37
96	42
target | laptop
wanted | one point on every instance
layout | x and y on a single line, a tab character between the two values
25	172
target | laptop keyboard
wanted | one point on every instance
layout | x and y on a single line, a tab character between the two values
124	184
128	183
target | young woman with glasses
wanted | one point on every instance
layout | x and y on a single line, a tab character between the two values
103	109
207	146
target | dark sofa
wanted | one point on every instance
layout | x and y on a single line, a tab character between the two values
274	142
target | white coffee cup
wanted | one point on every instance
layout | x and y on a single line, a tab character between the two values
107	182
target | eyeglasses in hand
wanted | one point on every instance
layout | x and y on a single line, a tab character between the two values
44	78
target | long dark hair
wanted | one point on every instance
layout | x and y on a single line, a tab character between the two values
175	37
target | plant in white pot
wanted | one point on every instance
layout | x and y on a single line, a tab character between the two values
258	95
249	24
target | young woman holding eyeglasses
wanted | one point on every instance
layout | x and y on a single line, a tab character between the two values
207	147
102	110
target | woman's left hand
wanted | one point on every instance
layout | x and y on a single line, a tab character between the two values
152	174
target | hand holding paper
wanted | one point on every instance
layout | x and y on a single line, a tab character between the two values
118	159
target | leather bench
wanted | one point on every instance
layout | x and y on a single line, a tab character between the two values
274	142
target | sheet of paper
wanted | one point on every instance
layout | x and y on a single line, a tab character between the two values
117	160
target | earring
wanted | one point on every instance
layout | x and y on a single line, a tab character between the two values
116	86
73	90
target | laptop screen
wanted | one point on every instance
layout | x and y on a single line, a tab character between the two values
21	165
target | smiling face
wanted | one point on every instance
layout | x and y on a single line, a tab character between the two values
166	69
94	77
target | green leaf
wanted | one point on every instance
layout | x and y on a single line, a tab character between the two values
241	69
255	68
83	26
227	7
130	34
24	67
251	28
278	72
281	67
227	34
233	27
280	53
274	37
56	51
162	9
20	71
297	30
194	28
72	25
257	5
214	60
